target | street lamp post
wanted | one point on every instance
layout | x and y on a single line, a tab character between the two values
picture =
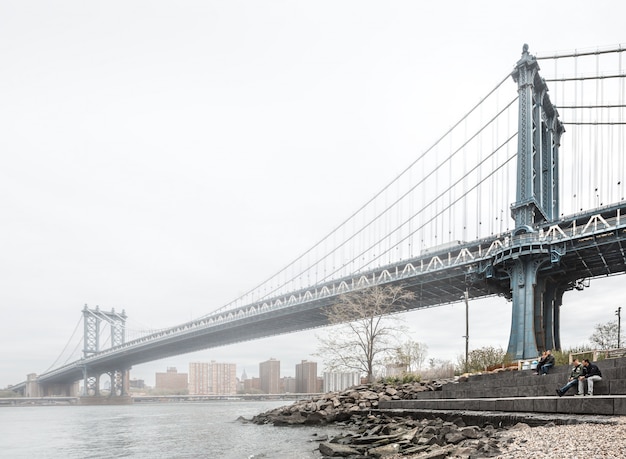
619	320
466	296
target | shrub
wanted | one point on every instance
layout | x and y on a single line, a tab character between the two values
406	378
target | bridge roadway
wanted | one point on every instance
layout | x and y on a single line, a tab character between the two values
586	245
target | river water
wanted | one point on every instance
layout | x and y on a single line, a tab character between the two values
159	430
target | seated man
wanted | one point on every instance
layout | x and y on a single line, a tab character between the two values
547	363
541	361
591	374
577	372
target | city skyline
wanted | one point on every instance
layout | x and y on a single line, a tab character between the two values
219	378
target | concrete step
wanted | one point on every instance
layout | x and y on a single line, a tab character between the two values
527	384
612	405
524	391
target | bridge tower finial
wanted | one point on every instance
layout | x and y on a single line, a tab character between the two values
538	141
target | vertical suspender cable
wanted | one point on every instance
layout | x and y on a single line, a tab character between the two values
597	151
466	195
450	223
579	146
620	142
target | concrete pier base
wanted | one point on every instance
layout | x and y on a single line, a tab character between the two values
120	400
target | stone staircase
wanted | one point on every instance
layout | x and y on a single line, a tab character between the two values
523	391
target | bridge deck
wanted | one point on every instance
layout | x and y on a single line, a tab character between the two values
586	245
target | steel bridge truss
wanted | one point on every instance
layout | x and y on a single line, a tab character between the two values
92	321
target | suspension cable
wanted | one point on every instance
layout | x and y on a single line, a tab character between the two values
583	78
594	123
354	214
619	49
71	339
74	352
388	208
591	106
441	211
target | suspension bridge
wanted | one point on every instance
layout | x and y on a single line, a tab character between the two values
523	198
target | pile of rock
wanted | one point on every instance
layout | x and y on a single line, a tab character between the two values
340	406
382	436
368	433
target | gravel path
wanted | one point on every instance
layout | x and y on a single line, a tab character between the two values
587	440
590	440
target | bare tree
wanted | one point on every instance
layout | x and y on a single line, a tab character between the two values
605	335
483	358
412	354
367	334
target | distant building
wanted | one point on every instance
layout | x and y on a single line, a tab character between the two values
212	378
288	384
241	384
137	384
222	378
252	385
172	380
199	378
319	385
335	382
269	372
306	377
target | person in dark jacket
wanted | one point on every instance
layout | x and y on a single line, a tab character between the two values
547	363
591	374
577	372
541	361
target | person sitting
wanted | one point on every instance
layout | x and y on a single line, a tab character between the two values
541	361
547	363
577	372
591	374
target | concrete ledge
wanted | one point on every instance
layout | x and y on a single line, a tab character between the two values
101	400
617	386
596	405
431	394
619	407
620	373
455	394
585	405
505	404
487	405
544	405
524	404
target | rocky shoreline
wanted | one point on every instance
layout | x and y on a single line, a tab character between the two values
366	432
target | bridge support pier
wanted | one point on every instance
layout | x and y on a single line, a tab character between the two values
119	383
523	277
537	297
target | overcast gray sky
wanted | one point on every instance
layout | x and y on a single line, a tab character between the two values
165	157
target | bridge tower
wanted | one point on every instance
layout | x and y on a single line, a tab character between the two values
92	320
536	291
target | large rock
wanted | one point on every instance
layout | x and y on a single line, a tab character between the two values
336	450
384	451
